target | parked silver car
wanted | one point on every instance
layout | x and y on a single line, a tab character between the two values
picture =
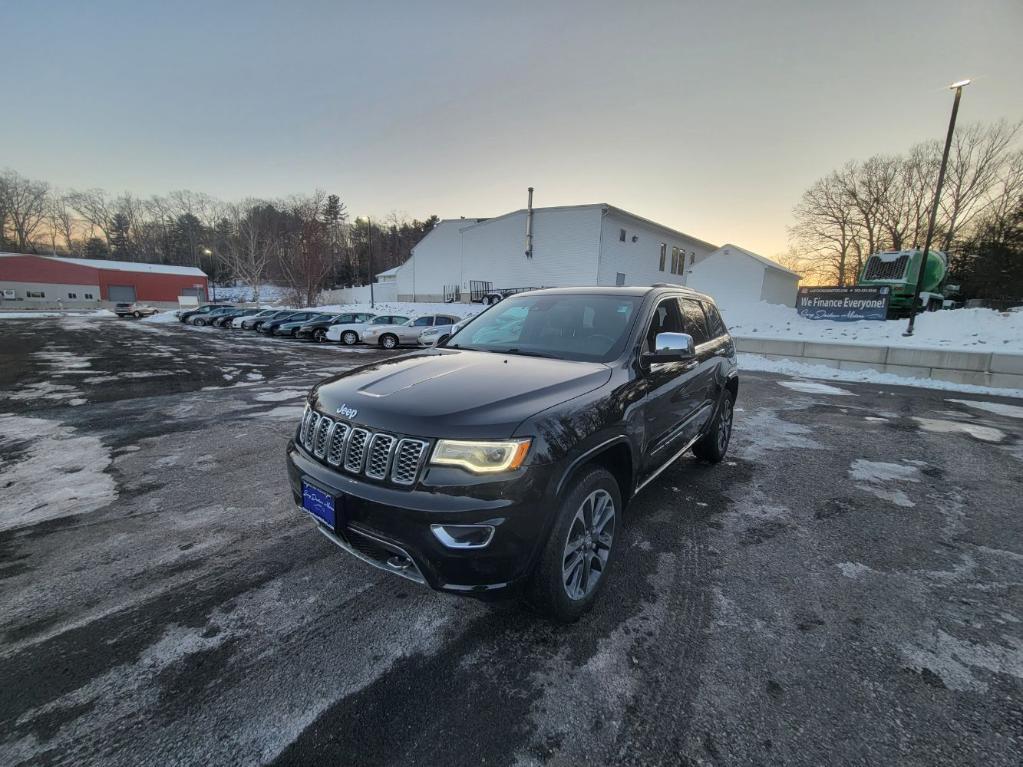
434	335
351	333
391	336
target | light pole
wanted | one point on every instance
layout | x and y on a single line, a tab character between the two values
369	257
958	88
213	283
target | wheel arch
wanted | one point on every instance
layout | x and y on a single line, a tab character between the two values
615	455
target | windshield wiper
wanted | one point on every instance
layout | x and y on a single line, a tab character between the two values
522	353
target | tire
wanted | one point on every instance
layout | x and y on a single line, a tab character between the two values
713	445
199	322
389	341
320	336
137	315
349	338
562	570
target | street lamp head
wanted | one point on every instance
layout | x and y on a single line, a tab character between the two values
960	84
207	251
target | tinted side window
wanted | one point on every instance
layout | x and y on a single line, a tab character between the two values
714	322
423	322
696	324
666	319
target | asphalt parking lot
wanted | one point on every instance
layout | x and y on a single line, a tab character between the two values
846	589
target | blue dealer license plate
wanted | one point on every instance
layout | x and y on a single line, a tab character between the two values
319	504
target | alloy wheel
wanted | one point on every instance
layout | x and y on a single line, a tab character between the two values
725	426
388	342
588	544
320	335
350	338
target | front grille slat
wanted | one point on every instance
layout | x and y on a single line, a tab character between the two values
379	460
356	450
375	455
406	461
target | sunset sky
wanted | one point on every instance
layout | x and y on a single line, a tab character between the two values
708	117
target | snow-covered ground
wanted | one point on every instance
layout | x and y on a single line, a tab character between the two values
810	370
40	314
961	329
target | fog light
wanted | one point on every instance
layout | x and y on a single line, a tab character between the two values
464	536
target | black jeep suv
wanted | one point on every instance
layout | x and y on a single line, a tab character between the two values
504	457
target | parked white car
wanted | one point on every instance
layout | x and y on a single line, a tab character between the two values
350	333
392	336
434	335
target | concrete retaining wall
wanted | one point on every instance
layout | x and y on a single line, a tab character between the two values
997	369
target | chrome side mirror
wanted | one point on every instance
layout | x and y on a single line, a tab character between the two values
671	347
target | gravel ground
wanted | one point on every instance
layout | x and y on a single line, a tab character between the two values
845	589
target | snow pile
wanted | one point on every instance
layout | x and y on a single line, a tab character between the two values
958	329
162	317
267	293
810	370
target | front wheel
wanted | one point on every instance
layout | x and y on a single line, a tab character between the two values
578	554
199	321
349	338
713	445
389	341
320	336
137	315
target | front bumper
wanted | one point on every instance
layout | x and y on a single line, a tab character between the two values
377	521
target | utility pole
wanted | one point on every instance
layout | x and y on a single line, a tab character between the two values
958	87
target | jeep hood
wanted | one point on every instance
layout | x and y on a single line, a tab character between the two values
456	393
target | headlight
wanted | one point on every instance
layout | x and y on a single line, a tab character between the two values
484	457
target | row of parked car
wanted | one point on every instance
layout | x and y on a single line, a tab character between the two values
349	328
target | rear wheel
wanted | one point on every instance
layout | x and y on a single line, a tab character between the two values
389	341
578	554
137	315
713	445
349	338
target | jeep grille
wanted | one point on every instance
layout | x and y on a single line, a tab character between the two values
375	455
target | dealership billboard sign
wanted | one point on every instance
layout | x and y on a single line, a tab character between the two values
844	304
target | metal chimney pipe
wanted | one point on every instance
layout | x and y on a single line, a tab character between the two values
529	225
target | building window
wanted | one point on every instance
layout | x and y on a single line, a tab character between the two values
88	295
674	260
35	294
664	253
72	295
621	235
619	279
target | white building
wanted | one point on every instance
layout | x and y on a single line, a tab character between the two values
595	244
735	275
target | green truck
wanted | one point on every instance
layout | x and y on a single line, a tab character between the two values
898	269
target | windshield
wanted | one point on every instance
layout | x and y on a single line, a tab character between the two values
586	327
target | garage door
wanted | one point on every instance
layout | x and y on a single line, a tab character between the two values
197	292
121	294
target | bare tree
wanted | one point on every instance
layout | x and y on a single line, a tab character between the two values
975	165
96	208
825	229
308	262
25	207
250	242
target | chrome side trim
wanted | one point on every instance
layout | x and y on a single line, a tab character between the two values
667	463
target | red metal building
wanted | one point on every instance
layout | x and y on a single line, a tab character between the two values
48	279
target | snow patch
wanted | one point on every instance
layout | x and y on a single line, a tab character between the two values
955	660
809	387
941	426
810	370
278	396
998	408
873	477
853	569
61	473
